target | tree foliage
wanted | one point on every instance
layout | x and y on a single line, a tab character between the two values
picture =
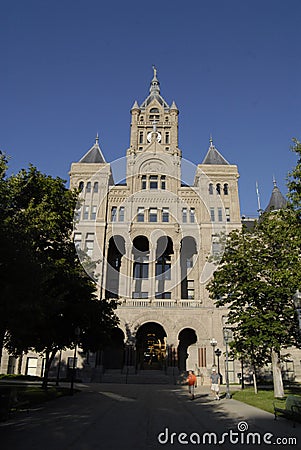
294	180
258	278
47	292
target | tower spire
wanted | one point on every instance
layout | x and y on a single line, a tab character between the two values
155	85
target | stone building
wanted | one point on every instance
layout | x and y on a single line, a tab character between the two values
152	235
152	224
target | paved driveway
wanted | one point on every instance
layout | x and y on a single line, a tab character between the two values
123	417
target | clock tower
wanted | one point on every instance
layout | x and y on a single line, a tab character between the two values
154	119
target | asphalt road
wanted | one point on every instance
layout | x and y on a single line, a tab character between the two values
123	417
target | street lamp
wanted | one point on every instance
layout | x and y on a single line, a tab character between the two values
227	338
218	353
213	343
77	334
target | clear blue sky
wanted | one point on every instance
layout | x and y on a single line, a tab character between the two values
72	68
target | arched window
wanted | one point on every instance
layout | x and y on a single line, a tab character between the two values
218	188
211	189
95	187
226	189
154	111
88	187
81	186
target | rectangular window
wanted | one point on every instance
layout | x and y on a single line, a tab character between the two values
114	214
189	262
77	214
31	366
11	364
140	295
89	244
77	240
153	182
141	268
192	215
153	215
227	210
86	213
163	295
71	361
167	137
163	182
140	137
165	215
163	269
216	246
93	212
143	182
220	214
121	214
140	214
190	289
212	215
184	215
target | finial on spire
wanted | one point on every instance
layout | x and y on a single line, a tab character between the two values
274	181
211	140
97	138
155	85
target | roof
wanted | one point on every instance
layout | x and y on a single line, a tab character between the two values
154	93
277	200
94	155
213	156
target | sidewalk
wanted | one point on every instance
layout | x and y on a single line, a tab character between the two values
127	416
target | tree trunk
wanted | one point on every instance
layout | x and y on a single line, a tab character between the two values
2	334
255	382
20	360
49	356
277	375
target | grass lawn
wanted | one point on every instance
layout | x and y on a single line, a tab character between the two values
265	397
33	395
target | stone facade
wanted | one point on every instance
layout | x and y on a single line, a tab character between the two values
154	234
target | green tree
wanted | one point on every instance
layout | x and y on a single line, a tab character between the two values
294	180
256	281
50	295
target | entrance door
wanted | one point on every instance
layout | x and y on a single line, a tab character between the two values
151	346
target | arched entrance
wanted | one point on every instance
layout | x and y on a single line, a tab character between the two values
187	337
151	346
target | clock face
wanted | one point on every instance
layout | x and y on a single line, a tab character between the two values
149	136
